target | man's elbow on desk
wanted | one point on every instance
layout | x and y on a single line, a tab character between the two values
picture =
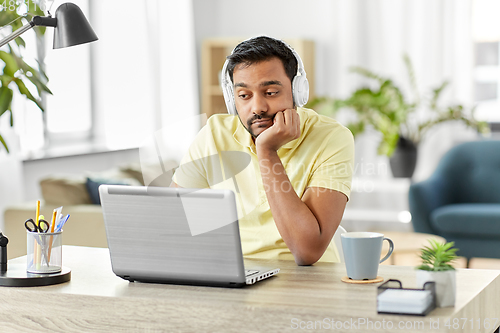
307	258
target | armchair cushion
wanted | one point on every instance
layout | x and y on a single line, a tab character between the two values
64	191
467	220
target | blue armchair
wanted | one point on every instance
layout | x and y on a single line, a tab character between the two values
461	200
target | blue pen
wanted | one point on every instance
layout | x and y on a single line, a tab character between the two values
61	223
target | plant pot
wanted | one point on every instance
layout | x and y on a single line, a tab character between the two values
404	159
445	285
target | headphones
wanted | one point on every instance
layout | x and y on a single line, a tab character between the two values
300	85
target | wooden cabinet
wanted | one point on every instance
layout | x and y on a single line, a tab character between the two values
214	53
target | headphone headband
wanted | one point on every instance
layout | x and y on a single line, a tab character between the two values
300	85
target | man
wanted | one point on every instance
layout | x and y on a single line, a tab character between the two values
293	193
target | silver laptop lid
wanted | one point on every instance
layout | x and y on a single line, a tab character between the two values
172	234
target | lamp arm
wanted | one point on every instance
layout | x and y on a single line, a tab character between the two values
17	33
37	20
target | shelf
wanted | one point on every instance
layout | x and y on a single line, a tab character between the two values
214	90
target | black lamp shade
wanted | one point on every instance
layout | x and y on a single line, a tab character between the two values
72	27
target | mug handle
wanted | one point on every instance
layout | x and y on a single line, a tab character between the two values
391	248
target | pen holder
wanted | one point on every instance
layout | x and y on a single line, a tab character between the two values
44	252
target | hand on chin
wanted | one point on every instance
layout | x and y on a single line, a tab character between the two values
285	128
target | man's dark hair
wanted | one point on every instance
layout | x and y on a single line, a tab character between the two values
261	49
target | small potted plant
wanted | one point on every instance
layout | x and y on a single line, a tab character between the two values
437	266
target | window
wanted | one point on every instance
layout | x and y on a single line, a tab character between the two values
486	38
68	110
142	77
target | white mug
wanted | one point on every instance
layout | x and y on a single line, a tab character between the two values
362	254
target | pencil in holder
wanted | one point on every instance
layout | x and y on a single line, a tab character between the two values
44	252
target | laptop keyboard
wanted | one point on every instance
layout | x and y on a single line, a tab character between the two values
249	272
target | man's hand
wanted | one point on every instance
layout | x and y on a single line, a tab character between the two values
285	128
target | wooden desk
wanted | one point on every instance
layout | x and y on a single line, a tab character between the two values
98	301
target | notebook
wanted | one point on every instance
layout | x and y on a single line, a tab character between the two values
175	235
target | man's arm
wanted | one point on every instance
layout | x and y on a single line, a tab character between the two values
306	226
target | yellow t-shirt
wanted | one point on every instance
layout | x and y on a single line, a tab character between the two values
223	156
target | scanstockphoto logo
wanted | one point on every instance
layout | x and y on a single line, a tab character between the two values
204	210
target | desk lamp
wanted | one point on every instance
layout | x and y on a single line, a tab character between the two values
71	27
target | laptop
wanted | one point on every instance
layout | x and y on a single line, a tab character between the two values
176	235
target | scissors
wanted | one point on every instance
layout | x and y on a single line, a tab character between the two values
32	227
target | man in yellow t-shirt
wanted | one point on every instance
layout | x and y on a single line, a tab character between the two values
290	168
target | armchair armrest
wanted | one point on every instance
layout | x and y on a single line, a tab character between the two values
426	196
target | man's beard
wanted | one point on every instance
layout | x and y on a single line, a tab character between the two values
254	118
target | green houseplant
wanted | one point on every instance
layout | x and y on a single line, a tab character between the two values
385	108
437	260
16	75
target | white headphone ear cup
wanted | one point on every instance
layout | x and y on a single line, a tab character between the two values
231	106
227	91
229	98
300	90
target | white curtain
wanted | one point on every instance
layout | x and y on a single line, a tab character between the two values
375	34
436	34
